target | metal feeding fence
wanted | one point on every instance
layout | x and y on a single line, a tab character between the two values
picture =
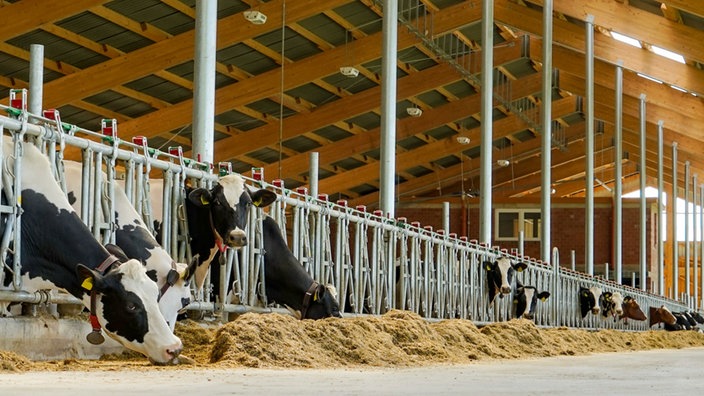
376	263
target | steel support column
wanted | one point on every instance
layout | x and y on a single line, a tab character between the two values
487	81
204	79
388	107
546	144
618	182
642	171
589	166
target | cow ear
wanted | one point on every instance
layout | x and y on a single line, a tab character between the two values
200	197
488	265
543	296
520	266
190	270
89	279
117	252
263	198
607	296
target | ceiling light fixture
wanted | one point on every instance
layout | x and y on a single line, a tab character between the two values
349	71
463	140
255	17
503	163
414	111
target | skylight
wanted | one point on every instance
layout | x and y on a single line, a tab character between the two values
668	54
625	39
649	78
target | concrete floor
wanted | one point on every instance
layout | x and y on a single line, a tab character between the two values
657	372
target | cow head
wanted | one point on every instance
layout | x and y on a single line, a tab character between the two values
631	310
697	317
127	310
323	303
611	304
526	300
589	300
228	203
661	314
500	275
174	291
320	301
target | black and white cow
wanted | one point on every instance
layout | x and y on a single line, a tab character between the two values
217	219
137	242
58	252
611	304
525	298
287	282
500	274
589	300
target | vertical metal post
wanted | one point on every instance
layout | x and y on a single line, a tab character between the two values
589	166
204	79
446	217
675	244
661	218
618	182
388	107
695	263
521	242
643	249
487	82
573	260
701	244
687	257
36	78
546	144
313	182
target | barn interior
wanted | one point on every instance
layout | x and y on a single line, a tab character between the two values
298	77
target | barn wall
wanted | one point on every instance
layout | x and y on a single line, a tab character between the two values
567	230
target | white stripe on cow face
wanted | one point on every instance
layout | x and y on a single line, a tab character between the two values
596	292
232	188
505	267
531	300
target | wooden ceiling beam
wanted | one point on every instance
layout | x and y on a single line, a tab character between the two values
171	51
24	16
408	159
637	23
406	127
571	36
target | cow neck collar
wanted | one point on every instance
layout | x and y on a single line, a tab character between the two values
306	298
218	239
95	337
171	278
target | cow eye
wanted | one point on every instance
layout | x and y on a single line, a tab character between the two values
131	307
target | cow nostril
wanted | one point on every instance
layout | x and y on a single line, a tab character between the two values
173	352
505	290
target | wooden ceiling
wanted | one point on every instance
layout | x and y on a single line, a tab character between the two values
132	60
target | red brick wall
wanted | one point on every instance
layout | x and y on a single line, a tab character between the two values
568	231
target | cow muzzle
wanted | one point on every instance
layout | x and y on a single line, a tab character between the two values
528	316
505	289
595	311
237	239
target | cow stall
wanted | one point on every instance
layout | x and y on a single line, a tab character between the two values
375	263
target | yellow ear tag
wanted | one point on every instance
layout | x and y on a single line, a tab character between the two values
87	283
543	299
315	296
515	301
203	200
257	202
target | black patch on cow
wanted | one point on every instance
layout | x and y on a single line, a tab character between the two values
135	241
71	198
55	242
606	304
286	279
586	301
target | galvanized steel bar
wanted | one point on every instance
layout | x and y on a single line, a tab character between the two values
388	107
204	79
36	78
687	258
546	141
487	83
661	218
618	182
675	243
589	142
643	248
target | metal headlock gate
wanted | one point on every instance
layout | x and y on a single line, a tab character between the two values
375	263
